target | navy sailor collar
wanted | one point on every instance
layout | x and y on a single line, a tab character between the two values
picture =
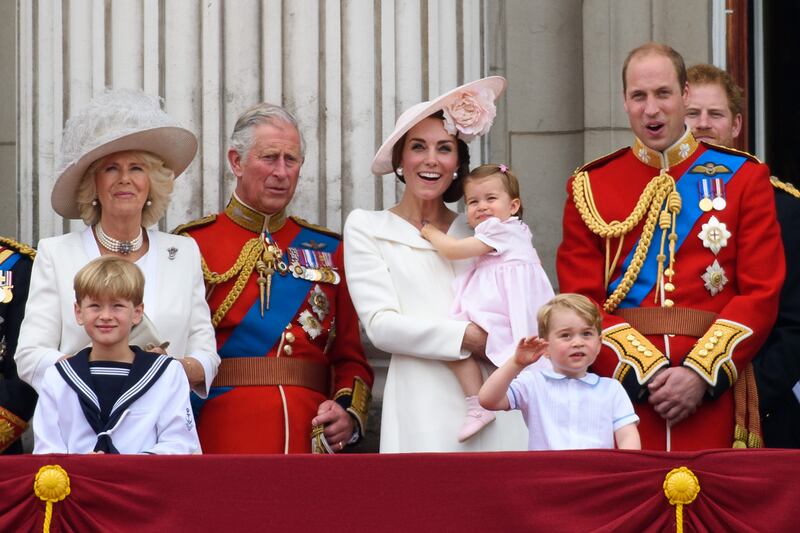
145	371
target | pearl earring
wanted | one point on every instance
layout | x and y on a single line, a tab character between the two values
94	202
455	175
399	171
148	203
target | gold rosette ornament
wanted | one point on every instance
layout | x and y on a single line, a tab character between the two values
51	485
681	488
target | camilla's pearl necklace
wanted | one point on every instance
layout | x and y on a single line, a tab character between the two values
121	247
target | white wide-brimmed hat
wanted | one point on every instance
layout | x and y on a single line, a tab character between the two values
468	113
117	120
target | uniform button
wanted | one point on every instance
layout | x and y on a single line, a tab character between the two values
719	333
648	353
287	350
708	345
703	352
289	337
641	348
668	303
636	343
630	337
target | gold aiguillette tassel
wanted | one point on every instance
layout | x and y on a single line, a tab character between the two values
262	283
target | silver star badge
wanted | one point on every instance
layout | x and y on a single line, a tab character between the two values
714	278
714	235
310	324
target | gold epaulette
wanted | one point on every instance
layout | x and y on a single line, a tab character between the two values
24	249
600	160
199	223
315	227
729	150
785	187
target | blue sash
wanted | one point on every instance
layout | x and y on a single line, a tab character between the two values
255	336
9	263
687	186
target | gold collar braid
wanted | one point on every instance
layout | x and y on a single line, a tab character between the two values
660	191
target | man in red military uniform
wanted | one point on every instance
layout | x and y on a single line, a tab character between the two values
293	376
679	243
714	113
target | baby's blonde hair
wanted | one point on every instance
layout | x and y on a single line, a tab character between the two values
508	179
577	303
109	277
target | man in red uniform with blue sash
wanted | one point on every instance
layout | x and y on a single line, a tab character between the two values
678	242
293	376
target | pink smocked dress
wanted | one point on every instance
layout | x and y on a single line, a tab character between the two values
505	288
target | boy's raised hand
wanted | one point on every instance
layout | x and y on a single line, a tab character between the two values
529	350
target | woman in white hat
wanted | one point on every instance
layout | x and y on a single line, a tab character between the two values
402	288
120	155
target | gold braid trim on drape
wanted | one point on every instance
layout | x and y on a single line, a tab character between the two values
244	265
648	205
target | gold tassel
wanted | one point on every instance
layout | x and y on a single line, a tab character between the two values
51	485
681	487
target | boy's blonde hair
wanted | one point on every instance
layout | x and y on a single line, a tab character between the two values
577	303
508	179
110	277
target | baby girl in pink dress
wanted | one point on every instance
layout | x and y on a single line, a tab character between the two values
505	287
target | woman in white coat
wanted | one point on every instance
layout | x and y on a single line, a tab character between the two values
402	288
120	156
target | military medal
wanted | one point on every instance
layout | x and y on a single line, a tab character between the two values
714	278
319	302
6	284
310	324
312	265
719	203
705	204
714	235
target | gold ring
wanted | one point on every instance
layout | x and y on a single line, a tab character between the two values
341	445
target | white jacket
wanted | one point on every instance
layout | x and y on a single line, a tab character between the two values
402	290
174	300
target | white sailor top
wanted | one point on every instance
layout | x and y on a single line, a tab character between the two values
151	415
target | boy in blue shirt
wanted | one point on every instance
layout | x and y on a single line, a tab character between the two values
566	407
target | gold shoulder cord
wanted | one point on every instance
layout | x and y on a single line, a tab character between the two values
243	266
785	187
659	189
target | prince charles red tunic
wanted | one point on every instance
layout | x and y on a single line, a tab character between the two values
307	322
708	306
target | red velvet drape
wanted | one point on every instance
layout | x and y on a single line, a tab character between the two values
595	490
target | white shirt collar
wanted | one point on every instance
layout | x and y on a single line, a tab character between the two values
589	378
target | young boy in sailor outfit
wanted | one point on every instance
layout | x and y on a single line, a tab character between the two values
112	397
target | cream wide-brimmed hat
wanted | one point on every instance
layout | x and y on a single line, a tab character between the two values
117	120
468	110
